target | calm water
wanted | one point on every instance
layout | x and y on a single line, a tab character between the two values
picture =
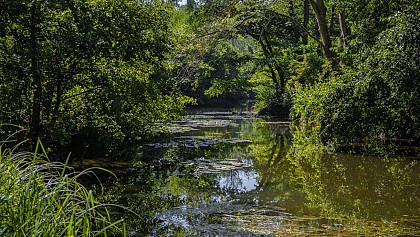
224	174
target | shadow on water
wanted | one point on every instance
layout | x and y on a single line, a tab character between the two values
231	174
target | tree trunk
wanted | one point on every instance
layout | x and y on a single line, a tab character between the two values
320	14
275	81
281	77
344	30
58	99
270	66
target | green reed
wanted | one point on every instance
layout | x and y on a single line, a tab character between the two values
39	198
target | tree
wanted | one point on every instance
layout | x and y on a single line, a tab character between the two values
375	101
86	68
321	18
218	21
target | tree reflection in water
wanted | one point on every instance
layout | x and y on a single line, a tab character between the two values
238	181
268	186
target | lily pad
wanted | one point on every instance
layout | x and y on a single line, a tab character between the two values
211	166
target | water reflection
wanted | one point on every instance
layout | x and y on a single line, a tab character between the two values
241	176
239	181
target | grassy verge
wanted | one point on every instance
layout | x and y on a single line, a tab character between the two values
39	199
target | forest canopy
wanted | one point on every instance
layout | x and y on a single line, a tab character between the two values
103	73
80	70
347	71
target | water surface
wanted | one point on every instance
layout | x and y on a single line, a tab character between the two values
231	174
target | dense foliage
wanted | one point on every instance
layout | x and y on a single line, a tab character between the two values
77	71
99	75
376	98
348	69
260	34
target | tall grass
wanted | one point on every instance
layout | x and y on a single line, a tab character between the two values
40	199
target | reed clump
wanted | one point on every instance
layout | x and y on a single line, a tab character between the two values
39	198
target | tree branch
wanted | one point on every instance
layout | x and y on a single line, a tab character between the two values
81	93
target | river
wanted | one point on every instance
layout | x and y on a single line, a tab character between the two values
224	173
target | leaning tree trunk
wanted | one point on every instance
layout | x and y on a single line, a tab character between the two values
281	77
320	14
270	66
344	30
